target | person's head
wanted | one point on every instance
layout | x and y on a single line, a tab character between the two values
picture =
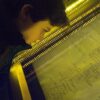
35	17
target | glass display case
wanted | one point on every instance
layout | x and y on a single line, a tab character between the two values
65	65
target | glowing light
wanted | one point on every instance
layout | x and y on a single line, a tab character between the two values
16	73
75	4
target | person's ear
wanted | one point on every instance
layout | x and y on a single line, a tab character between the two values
24	12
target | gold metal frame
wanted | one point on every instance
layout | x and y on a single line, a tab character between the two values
19	84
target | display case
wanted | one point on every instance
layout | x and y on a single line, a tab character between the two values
65	65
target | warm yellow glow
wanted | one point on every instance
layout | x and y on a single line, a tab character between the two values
36	31
70	70
17	74
73	5
74	15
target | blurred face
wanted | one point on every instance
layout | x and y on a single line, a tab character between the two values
31	31
36	31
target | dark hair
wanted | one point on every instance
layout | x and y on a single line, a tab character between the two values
41	9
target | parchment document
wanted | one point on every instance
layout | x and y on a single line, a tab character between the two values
71	70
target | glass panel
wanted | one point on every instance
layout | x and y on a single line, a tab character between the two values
71	69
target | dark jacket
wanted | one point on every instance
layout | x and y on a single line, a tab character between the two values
5	64
11	42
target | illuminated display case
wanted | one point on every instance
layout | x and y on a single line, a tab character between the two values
66	63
